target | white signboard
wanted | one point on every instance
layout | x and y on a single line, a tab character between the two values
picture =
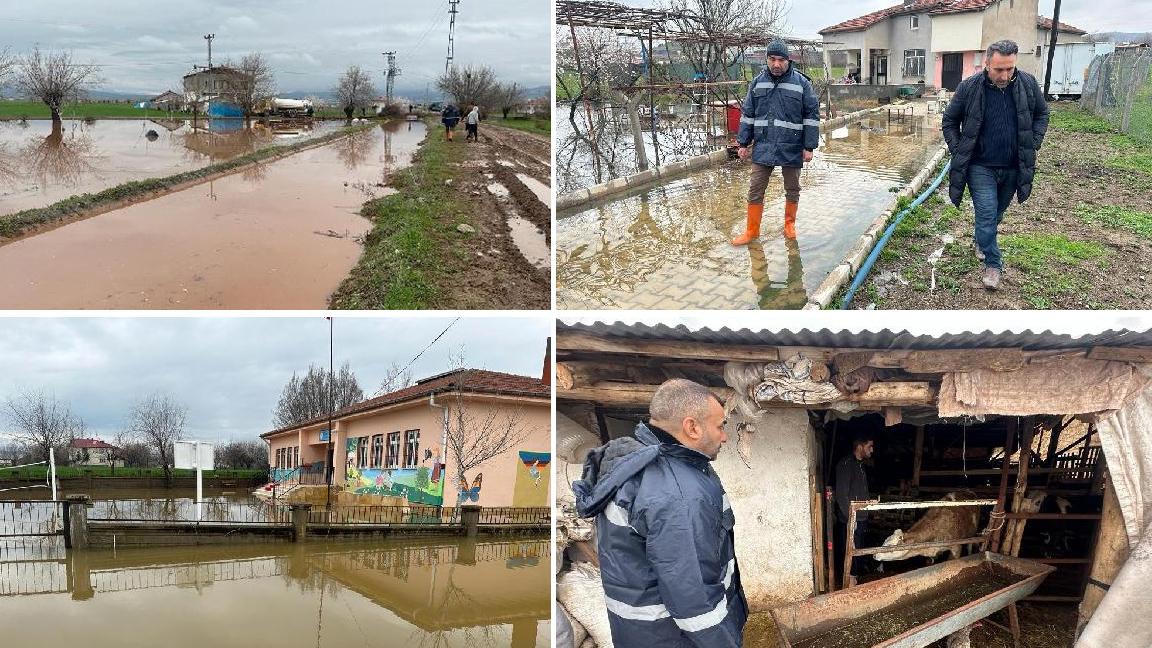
185	455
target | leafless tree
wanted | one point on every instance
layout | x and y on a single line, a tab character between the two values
309	397
395	378
7	65
41	422
242	454
757	19
60	159
354	90
254	84
605	62
477	434
158	422
508	96
130	452
469	86
55	79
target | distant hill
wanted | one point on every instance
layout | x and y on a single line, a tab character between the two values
1123	37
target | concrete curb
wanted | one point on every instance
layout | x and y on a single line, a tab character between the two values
850	264
671	170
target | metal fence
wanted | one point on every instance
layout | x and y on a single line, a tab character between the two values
1119	89
515	515
400	515
184	510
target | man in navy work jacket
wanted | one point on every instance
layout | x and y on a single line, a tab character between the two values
664	527
994	125
779	127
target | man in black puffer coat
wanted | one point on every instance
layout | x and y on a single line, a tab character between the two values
994	126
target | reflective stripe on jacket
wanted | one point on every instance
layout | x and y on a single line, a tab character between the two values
781	117
666	545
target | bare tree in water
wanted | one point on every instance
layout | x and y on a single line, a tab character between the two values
755	19
354	90
60	159
158	421
54	79
41	422
254	84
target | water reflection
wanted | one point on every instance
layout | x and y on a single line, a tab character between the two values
59	158
434	592
667	246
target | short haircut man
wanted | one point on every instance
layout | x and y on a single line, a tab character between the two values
994	126
664	527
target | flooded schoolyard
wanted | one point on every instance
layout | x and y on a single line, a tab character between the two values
435	591
667	247
40	166
275	235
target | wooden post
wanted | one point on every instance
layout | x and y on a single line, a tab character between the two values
849	548
470	520
1005	469
917	462
76	531
1110	553
1015	528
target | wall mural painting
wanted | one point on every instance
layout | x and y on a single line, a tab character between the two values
532	479
423	484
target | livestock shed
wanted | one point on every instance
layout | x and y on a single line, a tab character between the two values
1042	440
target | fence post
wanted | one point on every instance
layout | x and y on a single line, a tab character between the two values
76	525
470	519
300	514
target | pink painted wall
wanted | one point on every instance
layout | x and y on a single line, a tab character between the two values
970	67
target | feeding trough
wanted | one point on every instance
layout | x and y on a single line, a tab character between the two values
910	610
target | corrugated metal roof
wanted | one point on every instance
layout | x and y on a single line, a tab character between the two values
882	339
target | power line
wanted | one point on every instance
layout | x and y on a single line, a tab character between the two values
452	11
425	349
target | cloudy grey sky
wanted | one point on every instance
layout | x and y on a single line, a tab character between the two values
229	372
149	46
807	18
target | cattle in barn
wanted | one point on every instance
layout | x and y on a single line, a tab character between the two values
945	523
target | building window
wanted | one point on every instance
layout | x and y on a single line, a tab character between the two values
914	62
914	23
362	452
377	450
393	449
412	448
295	456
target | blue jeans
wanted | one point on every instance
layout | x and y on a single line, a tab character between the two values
992	191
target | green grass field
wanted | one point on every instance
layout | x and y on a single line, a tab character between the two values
33	110
526	124
64	472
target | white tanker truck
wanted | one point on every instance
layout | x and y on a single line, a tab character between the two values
278	107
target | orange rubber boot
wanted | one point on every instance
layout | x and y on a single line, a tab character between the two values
752	231
790	219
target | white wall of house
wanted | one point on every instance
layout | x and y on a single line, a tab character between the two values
1043	37
773	507
957	32
904	40
1013	20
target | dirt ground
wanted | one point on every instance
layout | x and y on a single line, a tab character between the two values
498	275
1081	241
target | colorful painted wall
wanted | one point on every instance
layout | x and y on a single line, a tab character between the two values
508	479
533	474
423	484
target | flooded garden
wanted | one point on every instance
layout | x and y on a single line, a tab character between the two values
436	591
280	234
667	246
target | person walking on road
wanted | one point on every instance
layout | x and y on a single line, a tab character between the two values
664	527
472	124
450	116
779	127
994	126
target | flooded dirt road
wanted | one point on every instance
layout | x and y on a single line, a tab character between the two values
434	592
39	166
667	247
279	235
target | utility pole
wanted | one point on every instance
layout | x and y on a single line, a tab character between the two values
209	37
331	461
393	72
1052	48
452	11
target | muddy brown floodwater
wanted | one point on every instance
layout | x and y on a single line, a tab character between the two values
280	235
39	167
444	592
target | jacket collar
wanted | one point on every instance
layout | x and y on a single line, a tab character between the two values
669	445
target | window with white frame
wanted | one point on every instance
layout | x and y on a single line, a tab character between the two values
411	448
295	456
393	458
914	62
362	452
378	450
914	22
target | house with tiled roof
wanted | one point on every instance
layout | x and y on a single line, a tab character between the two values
939	42
92	452
396	445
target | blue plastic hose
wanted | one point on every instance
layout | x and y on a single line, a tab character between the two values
862	275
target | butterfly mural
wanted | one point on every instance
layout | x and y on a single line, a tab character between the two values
472	494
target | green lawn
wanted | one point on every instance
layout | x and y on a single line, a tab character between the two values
34	110
526	124
41	472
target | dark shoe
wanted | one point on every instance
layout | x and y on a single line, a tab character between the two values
991	278
979	252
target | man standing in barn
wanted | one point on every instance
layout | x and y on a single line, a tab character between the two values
994	126
852	486
664	527
779	127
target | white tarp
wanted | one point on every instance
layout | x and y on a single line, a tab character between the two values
1121	620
